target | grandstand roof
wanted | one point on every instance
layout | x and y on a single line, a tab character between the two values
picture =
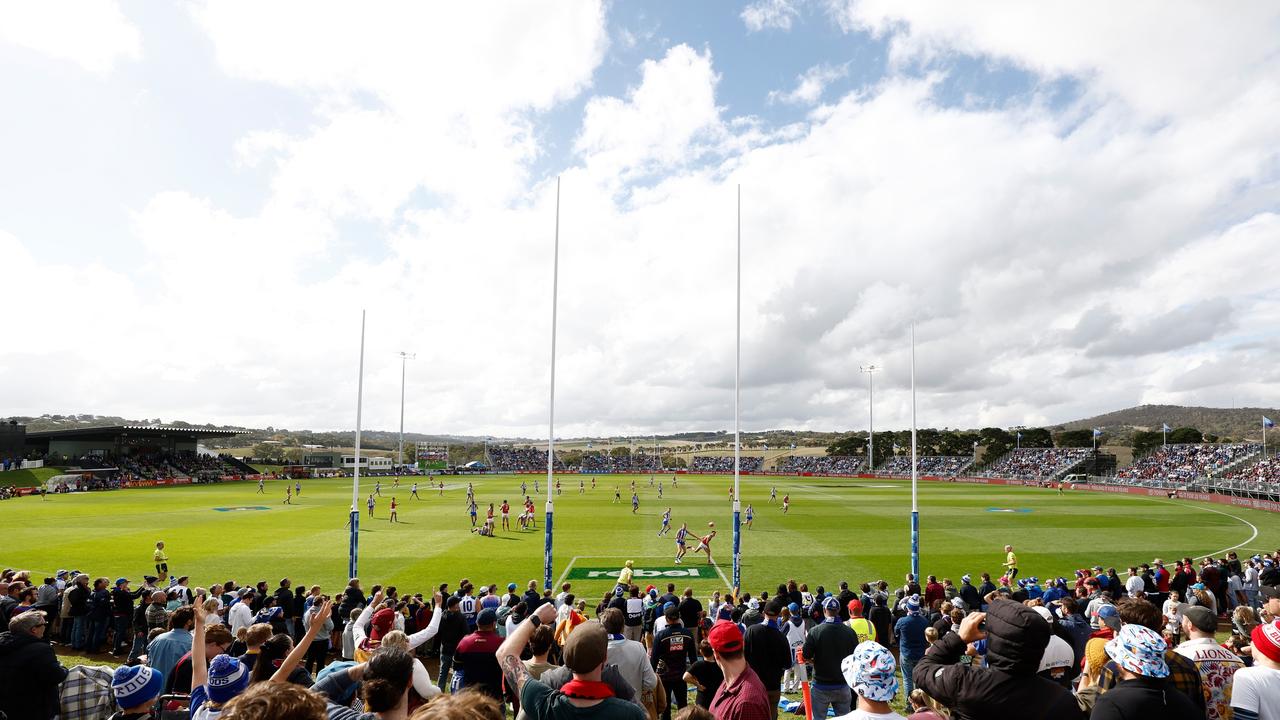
136	430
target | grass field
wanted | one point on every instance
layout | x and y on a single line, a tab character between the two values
836	530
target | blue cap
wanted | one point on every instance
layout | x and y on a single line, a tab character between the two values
830	603
668	606
511	587
794	608
121	581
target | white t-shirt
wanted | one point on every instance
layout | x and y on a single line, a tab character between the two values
1257	689
864	715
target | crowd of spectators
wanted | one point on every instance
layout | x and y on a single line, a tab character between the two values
931	465
1096	645
513	459
724	463
1035	463
599	462
1186	463
822	464
1262	476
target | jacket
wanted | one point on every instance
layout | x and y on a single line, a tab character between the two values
1144	697
453	627
1009	687
30	677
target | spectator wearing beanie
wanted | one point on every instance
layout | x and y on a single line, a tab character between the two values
1095	657
1255	690
827	644
584	697
226	678
741	696
1008	687
911	643
135	689
1143	691
871	673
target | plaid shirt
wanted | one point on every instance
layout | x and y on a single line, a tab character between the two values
86	693
1183	674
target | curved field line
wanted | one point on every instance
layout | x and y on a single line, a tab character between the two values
1212	510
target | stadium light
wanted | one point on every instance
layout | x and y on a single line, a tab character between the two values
871	370
404	358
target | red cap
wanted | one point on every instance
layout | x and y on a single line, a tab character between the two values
1266	640
383	621
855	607
725	637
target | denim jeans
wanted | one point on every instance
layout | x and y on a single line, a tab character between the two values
446	664
98	633
79	630
123	638
908	664
839	698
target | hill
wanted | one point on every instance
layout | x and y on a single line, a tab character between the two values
1233	423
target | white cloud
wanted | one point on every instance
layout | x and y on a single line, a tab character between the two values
93	34
769	14
811	84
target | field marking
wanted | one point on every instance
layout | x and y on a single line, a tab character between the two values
565	573
1234	517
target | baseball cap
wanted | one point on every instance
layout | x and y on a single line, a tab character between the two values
831	604
1269	591
725	637
511	587
121	581
586	648
1109	616
1201	617
487	616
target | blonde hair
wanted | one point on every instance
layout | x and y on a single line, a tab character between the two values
210	605
280	701
465	705
257	635
396	639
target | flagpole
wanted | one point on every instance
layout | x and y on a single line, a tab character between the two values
915	508
737	435
354	552
551	415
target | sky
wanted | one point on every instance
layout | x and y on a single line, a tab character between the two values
1077	206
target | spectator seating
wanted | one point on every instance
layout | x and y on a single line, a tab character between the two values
1185	463
822	464
1036	463
724	463
931	465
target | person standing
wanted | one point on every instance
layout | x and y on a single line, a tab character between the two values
161	560
1216	664
476	656
393	517
911	642
870	673
1255	693
672	652
1142	691
164	652
826	645
30	674
122	614
741	696
453	627
628	656
767	652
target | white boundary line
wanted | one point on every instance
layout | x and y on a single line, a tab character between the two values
1212	510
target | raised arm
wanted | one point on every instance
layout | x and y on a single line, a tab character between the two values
424	635
509	651
358	632
295	656
199	664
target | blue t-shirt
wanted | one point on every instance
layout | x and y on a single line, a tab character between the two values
910	631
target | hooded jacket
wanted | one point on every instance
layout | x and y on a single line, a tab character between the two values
1009	686
30	676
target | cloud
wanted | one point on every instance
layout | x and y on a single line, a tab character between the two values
769	15
810	84
93	34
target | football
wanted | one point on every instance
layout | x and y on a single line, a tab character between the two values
711	523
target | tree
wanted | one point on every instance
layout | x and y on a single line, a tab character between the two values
267	451
1186	435
1144	442
674	461
1036	438
851	444
1076	439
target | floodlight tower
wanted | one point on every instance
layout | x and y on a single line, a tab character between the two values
871	370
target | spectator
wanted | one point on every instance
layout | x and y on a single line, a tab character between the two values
135	690
384	682
768	653
871	673
275	700
911	643
217	640
826	645
1142	691
164	652
629	656
30	674
705	675
672	652
741	696
1182	673
922	707
1255	691
476	656
453	627
584	697
1215	663
1008	687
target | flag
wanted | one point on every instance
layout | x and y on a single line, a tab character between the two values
1268	422
1097	432
766	446
793	446
1165	428
588	444
1019	436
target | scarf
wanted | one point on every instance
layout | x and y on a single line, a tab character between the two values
618	636
587	689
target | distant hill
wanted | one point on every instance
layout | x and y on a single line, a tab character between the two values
1233	423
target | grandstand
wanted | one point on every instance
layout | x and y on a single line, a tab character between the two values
1186	463
144	452
822	464
724	463
931	465
513	459
599	462
1036	463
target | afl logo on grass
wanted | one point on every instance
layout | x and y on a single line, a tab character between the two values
238	508
595	573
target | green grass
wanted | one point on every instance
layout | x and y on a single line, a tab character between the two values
836	530
29	478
